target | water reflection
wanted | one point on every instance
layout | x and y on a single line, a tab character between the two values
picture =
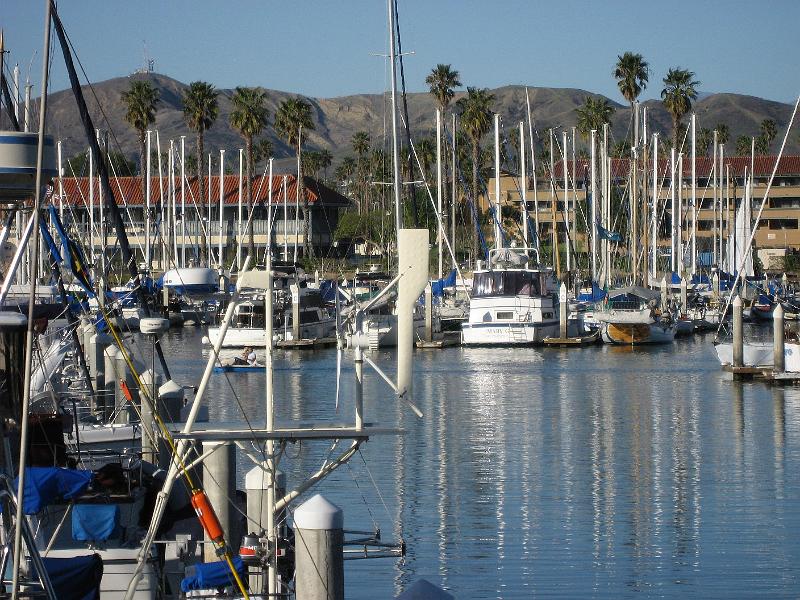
602	472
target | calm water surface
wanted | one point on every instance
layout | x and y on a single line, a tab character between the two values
600	472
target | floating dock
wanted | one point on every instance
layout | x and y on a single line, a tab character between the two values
445	339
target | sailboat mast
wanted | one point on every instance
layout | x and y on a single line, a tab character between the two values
533	169
183	201
593	226
147	261
523	184
439	237
221	206
673	210
654	216
714	260
497	211
395	145
694	195
26	396
566	199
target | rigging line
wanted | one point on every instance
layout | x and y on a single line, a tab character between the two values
363	497
378	491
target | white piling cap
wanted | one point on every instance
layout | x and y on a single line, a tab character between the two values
737	301
318	513
778	312
153	325
170	390
258	479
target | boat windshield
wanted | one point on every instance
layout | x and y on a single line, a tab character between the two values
506	283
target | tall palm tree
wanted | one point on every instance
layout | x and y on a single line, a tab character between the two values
680	89
594	113
140	103
704	138
200	109
476	120
631	73
249	117
293	116
360	143
743	145
441	82
344	172
723	133
426	150
769	130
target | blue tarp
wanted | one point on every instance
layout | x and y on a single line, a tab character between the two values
438	285
44	485
94	522
597	294
211	575
327	290
76	578
605	234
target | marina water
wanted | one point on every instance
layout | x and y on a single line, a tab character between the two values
604	472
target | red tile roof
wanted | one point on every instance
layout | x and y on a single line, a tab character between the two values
127	190
763	166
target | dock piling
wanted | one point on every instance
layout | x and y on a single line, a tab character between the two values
319	557
219	481
562	311
779	359
428	314
738	338
684	296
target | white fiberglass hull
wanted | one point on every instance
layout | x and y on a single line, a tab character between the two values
507	334
755	354
239	337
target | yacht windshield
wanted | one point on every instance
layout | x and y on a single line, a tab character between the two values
506	283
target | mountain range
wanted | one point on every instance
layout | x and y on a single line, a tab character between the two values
337	119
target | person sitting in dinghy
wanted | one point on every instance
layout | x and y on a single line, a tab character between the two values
248	357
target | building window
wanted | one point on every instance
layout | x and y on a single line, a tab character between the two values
782	224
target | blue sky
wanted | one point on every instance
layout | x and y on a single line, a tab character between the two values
326	48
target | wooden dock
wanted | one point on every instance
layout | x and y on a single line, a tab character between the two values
766	374
445	339
306	344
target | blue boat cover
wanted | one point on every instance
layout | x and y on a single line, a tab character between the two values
94	522
44	485
438	285
76	578
597	294
327	290
212	575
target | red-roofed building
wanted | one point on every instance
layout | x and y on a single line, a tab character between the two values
170	201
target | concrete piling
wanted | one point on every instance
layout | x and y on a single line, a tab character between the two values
738	334
151	381
562	311
428	314
779	359
257	484
319	559
664	293
684	296
219	482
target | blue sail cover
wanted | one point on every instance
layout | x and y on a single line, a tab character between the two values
596	295
45	485
76	578
438	285
212	575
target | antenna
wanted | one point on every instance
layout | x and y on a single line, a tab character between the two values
148	63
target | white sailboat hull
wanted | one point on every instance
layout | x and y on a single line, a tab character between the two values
239	337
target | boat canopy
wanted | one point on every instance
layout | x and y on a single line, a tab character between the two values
45	485
204	576
634	290
75	578
438	285
507	283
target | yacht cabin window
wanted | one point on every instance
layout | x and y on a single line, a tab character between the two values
506	283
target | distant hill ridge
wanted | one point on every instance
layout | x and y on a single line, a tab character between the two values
337	119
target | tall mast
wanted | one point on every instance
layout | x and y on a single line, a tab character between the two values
147	260
523	184
714	202
593	225
395	145
694	196
654	216
673	210
183	201
553	212
453	200
533	169
497	211
439	236
221	206
566	199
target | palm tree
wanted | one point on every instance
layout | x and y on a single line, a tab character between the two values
476	120
292	117
249	117
344	172
360	143
769	131
262	151
441	81
200	109
594	113
704	138
680	88
325	160
631	73
723	133
140	102
426	150
743	145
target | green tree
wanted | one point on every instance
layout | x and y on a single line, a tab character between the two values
200	110
293	116
79	165
769	130
360	143
262	151
426	151
475	111
632	73
680	89
743	145
704	138
441	82
723	133
249	118
141	100
594	113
